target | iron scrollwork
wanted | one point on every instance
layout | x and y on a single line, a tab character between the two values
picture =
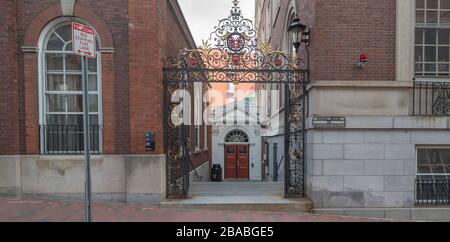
236	58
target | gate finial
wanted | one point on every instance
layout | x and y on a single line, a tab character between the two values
235	2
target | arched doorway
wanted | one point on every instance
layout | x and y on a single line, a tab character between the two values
237	156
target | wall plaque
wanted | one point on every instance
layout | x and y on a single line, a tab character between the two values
329	122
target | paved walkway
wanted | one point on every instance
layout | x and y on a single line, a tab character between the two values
45	211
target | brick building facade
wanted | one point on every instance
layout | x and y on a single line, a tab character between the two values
396	136
39	96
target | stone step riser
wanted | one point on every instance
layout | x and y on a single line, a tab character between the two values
295	207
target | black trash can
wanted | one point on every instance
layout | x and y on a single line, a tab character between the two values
217	173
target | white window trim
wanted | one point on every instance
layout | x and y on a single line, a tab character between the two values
42	72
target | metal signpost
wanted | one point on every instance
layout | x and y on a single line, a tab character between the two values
83	42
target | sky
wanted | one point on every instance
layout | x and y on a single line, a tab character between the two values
203	15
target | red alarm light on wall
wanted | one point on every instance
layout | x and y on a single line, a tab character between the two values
363	59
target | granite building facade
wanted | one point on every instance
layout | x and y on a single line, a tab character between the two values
391	159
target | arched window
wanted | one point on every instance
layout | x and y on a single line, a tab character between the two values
236	137
61	96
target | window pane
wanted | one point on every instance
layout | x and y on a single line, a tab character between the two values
92	65
424	170
430	68
65	32
72	119
432	17
420	4
65	119
73	62
75	103
420	16
419	54
56	103
437	169
447	169
430	37
445	4
443	68
55	62
445	17
74	83
419	37
55	43
432	4
443	54
444	36
93	119
69	47
430	54
93	84
55	82
419	69
93	103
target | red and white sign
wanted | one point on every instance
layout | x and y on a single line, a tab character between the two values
83	40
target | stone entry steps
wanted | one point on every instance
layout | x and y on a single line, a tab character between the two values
248	196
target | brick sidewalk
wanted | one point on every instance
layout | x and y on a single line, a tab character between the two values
44	211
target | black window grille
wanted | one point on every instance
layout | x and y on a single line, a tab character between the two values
432	191
431	98
68	139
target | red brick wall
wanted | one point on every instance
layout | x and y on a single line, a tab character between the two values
9	84
145	78
111	21
143	34
341	31
345	29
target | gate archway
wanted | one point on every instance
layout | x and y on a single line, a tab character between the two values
233	57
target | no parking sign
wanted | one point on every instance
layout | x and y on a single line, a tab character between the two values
83	39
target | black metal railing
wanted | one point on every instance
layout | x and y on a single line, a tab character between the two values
432	191
431	98
68	139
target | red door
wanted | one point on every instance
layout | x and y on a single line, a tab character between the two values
230	162
243	162
237	162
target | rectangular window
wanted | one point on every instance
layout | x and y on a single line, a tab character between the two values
432	39
433	176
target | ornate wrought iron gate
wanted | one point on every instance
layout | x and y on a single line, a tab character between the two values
234	58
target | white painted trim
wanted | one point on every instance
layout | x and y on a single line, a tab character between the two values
67	7
30	49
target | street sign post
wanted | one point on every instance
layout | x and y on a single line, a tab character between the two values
83	43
